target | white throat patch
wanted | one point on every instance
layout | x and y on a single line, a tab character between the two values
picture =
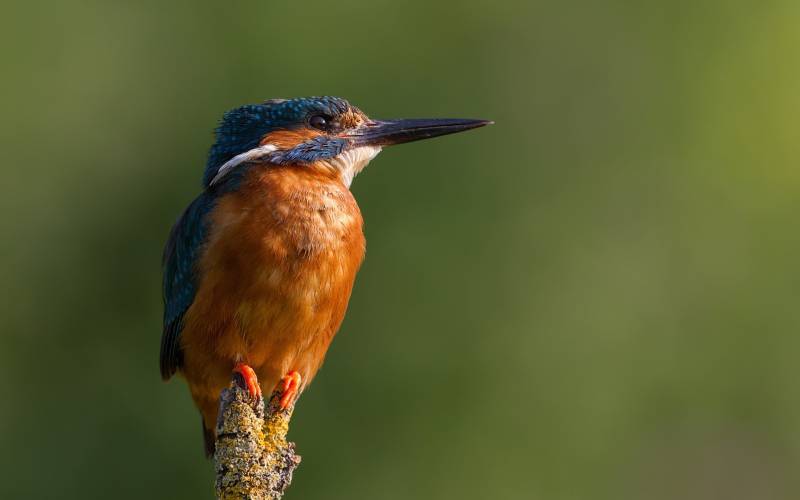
352	161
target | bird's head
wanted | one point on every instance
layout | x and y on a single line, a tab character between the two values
322	132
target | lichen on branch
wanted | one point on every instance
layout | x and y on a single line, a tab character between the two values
252	459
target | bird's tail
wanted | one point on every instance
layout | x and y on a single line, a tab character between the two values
208	439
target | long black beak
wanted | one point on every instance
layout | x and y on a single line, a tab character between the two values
386	133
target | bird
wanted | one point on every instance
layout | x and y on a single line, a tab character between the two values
259	268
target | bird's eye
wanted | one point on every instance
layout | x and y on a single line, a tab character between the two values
320	122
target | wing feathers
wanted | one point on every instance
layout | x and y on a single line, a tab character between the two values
181	253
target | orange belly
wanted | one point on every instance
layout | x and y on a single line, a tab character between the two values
275	280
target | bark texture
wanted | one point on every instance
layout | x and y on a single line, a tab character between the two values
253	459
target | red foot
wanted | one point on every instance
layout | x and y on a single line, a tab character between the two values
250	380
290	384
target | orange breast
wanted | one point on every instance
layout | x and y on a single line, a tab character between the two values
275	280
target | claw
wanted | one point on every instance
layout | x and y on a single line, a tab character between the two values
290	384
250	380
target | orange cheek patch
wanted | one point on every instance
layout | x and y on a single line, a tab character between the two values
288	139
351	119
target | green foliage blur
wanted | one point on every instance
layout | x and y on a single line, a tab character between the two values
596	298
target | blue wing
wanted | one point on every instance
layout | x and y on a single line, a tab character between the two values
180	278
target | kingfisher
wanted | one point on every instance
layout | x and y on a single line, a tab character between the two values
258	270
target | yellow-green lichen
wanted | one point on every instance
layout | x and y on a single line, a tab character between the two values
253	460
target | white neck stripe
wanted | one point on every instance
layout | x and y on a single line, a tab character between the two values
251	155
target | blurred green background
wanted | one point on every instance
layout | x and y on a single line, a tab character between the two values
596	298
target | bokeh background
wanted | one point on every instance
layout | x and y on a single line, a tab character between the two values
596	298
